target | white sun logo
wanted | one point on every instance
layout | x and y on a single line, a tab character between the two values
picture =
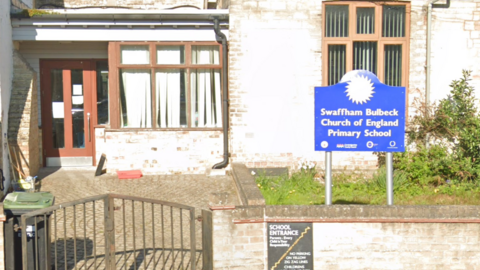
360	89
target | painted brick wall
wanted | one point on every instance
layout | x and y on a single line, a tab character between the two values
238	246
275	63
450	241
396	246
2	239
23	116
170	152
142	4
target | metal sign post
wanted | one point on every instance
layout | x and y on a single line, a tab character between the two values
328	178
389	163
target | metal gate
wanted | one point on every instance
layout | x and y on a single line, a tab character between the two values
114	231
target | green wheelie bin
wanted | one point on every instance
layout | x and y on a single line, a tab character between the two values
38	233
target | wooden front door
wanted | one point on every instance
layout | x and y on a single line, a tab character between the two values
67	113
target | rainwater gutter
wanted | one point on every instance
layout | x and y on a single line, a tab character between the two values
222	36
431	5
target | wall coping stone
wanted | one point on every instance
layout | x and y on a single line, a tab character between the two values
248	191
358	213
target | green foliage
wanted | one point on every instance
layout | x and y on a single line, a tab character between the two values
380	179
452	130
302	189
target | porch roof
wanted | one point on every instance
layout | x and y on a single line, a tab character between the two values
92	24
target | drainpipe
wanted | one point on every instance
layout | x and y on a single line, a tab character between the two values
222	36
431	5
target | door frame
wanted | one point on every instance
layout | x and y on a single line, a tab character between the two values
90	100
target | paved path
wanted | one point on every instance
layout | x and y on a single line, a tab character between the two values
77	235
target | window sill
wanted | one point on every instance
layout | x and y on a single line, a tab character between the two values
161	129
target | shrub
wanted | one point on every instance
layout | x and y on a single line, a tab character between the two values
443	139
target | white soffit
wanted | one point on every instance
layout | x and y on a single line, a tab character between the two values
120	25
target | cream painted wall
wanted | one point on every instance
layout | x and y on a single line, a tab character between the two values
455	46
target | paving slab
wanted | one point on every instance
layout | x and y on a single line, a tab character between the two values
146	236
68	184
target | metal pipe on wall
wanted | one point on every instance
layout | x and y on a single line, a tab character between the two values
222	36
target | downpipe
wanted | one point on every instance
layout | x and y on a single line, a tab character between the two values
222	36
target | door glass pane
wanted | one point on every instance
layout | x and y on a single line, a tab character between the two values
136	55
393	65
205	55
206	101
336	21
170	98
393	22
336	63
58	121
135	98
365	55
365	20
170	55
78	117
102	93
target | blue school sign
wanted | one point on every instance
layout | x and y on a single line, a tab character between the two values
360	114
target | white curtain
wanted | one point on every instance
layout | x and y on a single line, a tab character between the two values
137	109
135	55
170	55
206	98
168	90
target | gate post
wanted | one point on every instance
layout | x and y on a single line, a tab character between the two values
109	233
207	240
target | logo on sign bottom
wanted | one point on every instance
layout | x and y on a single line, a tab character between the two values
324	144
369	144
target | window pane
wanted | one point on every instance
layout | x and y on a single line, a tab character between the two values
102	93
205	55
336	21
78	116
206	103
170	55
170	98
135	55
393	23
365	55
336	63
365	20
135	98
58	114
393	65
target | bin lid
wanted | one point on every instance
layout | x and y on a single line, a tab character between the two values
27	200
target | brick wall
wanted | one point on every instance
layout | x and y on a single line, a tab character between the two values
237	246
23	117
275	63
2	243
142	4
170	152
356	237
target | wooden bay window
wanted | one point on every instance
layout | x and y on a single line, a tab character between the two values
166	85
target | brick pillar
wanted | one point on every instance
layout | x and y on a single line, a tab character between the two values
23	117
2	242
